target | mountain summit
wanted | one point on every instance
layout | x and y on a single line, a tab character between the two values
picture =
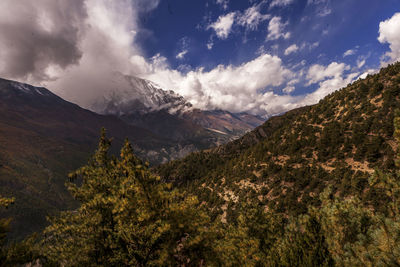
145	104
135	95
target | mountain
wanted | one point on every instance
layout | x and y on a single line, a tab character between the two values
145	104
290	159
224	121
135	95
297	191
43	138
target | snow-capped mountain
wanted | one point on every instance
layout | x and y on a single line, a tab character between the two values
135	95
145	104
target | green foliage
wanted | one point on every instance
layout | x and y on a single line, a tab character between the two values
127	217
5	202
249	239
303	244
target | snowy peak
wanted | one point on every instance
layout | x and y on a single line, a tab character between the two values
8	87
145	104
135	95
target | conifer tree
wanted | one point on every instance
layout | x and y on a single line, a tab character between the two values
249	238
127	217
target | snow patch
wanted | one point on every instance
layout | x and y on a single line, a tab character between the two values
131	94
22	87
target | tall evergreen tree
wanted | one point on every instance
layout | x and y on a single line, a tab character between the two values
127	217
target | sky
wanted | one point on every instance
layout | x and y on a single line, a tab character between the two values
258	56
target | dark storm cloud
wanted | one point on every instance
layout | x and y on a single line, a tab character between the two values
72	47
37	37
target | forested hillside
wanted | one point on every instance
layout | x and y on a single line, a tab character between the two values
288	161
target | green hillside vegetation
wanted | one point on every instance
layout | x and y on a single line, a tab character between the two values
130	217
318	186
291	159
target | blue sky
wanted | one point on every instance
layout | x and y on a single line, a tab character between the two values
323	44
258	56
350	23
323	32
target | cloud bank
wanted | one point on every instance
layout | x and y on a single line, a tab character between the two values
37	37
74	48
389	32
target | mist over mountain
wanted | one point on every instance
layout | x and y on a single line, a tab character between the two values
143	103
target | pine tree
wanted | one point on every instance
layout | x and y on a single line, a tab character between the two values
304	244
127	217
249	238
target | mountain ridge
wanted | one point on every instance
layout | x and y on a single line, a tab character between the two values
290	159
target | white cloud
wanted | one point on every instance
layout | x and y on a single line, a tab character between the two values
324	11
322	7
349	52
183	45
234	88
327	87
291	49
223	25
314	45
389	32
181	54
360	62
276	29
108	28
366	73
288	89
275	47
310	46
252	17
318	72
210	44
223	3
280	3
247	87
